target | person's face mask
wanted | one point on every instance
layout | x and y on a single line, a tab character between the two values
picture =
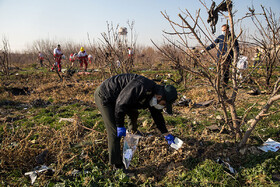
224	32
153	103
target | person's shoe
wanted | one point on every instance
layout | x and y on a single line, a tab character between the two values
118	166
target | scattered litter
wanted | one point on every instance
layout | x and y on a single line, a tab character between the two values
83	72
63	70
203	104
213	128
184	102
66	119
76	172
242	62
218	117
13	144
243	151
254	91
129	147
226	165
100	141
34	174
270	145
178	143
188	102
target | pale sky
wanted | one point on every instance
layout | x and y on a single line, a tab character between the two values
24	21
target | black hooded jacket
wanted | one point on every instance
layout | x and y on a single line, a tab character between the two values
129	92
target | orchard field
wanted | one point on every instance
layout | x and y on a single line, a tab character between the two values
51	128
46	121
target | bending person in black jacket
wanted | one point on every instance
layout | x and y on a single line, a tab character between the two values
123	95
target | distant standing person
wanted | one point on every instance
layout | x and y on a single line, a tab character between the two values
41	58
83	57
130	56
130	52
224	42
90	58
57	53
72	59
257	57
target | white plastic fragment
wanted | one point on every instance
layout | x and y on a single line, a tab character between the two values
242	62
178	143
129	147
128	154
226	165
34	174
66	119
270	145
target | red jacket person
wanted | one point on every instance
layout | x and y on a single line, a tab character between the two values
57	53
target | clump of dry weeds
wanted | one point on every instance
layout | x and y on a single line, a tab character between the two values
19	147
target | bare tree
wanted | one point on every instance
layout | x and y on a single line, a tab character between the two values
189	29
112	51
46	46
267	38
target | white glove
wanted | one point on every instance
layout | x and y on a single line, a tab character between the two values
202	51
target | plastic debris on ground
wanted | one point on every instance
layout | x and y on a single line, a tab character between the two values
129	147
226	165
66	119
183	102
242	62
270	145
188	102
76	172
39	169
178	143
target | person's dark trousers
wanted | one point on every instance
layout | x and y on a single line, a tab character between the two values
41	63
108	115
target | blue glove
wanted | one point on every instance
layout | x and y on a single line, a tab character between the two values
121	131
170	139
